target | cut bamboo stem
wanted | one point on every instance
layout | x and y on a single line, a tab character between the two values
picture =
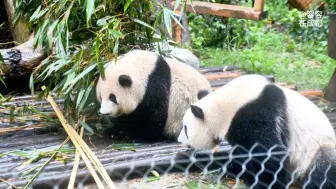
79	144
76	165
46	163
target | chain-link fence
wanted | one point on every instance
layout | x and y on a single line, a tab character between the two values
29	142
157	166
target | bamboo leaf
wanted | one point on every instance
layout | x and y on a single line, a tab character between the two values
86	95
87	127
50	33
69	79
178	22
115	33
11	117
128	2
143	23
80	96
97	45
42	13
167	20
103	21
31	83
177	3
1	59
81	75
99	63
90	7
3	82
37	11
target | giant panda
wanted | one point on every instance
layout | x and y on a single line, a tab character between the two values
256	116
145	95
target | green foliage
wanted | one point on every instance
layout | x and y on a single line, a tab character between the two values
289	62
206	30
277	45
81	37
331	6
242	33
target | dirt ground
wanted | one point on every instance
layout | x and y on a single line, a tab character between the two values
171	181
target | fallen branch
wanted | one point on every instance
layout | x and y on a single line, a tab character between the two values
46	163
76	165
83	149
21	60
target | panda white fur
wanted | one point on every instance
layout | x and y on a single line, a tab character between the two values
250	110
147	95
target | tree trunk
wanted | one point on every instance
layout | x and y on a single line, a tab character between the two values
185	33
21	30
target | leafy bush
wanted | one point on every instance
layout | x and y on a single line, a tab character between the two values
331	6
241	33
82	36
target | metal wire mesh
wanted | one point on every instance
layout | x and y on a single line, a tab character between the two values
165	166
131	164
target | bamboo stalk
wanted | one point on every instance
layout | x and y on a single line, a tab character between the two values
76	165
11	185
79	143
7	130
46	163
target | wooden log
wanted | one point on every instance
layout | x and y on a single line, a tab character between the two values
21	60
20	30
223	10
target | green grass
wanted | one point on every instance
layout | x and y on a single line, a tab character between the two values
304	64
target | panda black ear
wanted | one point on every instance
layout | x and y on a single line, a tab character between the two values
125	80
198	112
202	93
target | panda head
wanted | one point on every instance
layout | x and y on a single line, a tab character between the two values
112	95
124	85
196	131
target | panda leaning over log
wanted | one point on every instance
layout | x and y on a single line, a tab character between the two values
258	117
145	95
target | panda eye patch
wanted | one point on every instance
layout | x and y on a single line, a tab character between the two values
113	98
185	131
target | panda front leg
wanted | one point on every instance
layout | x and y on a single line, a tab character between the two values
260	170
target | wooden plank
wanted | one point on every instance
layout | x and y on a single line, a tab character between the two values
258	5
231	75
218	69
307	94
222	75
293	87
310	93
223	10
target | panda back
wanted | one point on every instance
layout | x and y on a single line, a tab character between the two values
309	129
187	85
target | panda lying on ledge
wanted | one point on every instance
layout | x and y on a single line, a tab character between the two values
261	117
145	95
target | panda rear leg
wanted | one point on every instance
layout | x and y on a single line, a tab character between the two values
322	173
